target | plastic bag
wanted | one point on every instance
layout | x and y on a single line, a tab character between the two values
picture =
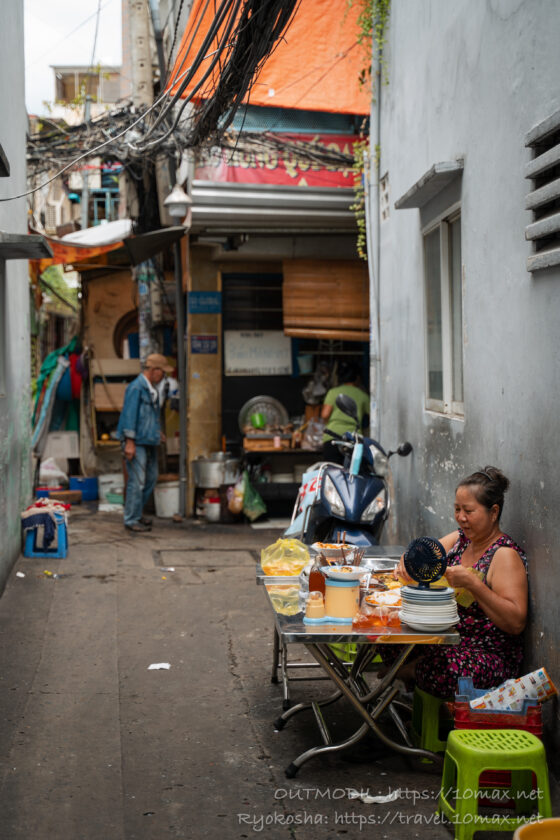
235	497
284	558
253	505
313	434
50	474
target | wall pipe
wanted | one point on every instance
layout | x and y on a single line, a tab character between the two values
182	376
373	226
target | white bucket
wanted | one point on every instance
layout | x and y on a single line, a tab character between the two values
110	483
166	497
212	511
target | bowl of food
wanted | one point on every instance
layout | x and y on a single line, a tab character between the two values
343	572
342	553
384	599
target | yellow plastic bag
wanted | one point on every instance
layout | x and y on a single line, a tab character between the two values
463	596
284	558
285	599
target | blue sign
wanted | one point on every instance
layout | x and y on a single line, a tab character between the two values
207	344
205	302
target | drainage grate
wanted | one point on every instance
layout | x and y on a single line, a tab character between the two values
216	558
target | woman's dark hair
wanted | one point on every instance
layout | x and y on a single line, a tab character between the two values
489	486
347	372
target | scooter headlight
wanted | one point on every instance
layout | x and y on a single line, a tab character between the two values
375	507
333	497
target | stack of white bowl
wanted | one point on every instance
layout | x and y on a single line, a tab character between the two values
431	610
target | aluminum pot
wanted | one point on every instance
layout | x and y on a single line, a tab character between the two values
231	471
210	473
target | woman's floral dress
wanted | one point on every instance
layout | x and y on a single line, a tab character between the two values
487	654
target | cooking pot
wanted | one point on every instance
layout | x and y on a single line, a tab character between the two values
210	473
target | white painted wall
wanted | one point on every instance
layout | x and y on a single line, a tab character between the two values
15	479
470	79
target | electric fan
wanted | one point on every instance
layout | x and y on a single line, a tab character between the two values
425	561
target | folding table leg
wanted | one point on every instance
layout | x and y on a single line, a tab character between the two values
275	657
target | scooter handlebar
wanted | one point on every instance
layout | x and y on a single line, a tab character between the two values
335	435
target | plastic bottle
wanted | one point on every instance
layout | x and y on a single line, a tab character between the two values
316	578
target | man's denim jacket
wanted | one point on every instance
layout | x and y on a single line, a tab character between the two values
139	418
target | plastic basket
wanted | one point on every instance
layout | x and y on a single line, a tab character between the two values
528	718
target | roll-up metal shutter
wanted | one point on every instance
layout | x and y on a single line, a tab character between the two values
326	299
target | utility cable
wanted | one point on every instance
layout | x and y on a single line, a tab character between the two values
200	56
95	149
177	21
197	87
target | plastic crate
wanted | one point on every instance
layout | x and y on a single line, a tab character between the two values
88	486
528	718
530	714
30	548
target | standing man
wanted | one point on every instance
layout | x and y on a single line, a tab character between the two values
140	434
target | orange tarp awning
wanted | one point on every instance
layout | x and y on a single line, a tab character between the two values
315	67
70	253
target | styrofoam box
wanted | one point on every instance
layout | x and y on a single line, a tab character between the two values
62	445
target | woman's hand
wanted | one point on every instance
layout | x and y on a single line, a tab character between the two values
400	573
460	577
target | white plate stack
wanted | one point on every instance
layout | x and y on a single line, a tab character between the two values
431	610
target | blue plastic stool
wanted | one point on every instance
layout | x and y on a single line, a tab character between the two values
30	548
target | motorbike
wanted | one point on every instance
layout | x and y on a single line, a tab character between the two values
350	502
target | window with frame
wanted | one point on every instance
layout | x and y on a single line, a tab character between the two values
444	315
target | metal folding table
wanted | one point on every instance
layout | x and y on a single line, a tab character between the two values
348	678
386	556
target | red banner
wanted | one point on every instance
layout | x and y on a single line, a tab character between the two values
285	164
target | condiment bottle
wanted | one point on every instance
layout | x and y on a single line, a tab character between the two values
316	578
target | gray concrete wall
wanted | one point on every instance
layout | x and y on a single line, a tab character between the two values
15	474
470	79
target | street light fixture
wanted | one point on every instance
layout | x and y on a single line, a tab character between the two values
178	205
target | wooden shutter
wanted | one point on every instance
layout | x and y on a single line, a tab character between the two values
326	299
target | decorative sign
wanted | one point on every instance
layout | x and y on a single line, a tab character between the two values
257	353
205	302
282	165
207	344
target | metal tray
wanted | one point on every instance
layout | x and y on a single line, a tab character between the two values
273	410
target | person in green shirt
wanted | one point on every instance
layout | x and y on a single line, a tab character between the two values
335	419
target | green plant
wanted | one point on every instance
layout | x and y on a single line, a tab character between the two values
373	17
361	154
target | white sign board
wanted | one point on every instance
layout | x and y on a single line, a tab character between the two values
257	353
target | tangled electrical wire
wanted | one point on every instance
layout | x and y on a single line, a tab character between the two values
240	37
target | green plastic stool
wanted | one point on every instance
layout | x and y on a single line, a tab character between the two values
425	721
345	650
472	751
348	650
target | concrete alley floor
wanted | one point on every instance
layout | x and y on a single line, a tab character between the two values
94	746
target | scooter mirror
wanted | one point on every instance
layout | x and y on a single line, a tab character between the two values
404	448
348	406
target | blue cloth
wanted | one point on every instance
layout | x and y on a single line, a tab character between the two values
139	418
142	476
34	520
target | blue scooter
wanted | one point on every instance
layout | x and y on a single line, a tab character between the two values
347	503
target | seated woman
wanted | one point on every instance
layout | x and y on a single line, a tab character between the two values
491	646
